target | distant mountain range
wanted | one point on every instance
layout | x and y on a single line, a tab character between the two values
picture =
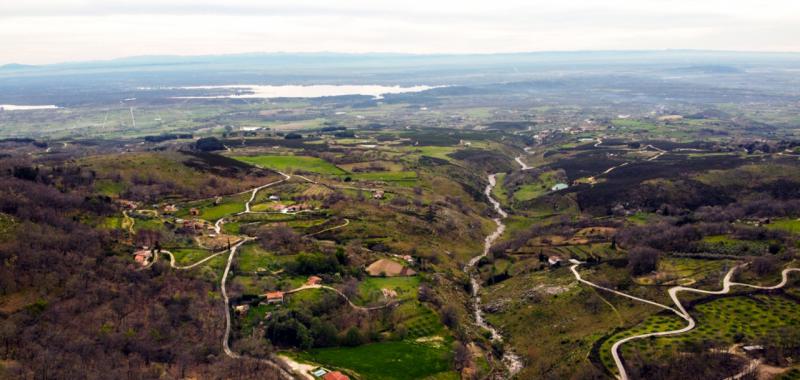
700	58
16	66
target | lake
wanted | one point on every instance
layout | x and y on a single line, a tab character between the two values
295	91
14	107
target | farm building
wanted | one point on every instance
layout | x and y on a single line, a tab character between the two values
274	297
335	375
389	293
377	194
142	256
389	268
559	186
296	208
130	205
313	280
554	260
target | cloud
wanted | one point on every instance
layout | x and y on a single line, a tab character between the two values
39	31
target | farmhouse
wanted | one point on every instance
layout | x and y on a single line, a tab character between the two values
241	309
377	194
389	268
130	205
313	280
274	297
170	208
142	256
296	208
554	261
335	375
274	198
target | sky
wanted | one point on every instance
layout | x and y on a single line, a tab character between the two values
50	31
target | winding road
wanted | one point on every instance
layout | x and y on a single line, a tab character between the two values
339	292
345	224
680	311
277	364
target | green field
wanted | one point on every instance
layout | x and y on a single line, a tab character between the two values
251	257
293	163
406	287
499	191
186	256
398	177
788	225
534	190
388	360
209	211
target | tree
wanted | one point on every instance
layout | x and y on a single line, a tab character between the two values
764	265
352	337
642	260
461	355
209	144
449	316
280	239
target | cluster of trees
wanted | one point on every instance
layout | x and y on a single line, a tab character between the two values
687	238
209	144
314	263
167	137
281	239
326	322
677	365
83	311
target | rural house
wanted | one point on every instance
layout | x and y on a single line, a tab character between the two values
554	261
274	297
335	375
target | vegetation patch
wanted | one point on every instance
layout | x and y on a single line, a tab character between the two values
385	360
293	163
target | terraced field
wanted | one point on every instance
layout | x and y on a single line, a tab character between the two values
722	321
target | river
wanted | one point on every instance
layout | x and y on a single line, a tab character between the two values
510	359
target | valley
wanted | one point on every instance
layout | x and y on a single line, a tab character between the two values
463	229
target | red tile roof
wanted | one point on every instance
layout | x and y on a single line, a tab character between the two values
274	295
335	375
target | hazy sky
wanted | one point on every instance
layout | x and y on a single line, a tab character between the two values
45	31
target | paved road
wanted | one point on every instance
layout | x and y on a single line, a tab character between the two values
274	363
680	311
346	223
337	291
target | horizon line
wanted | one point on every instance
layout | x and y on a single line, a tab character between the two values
395	53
